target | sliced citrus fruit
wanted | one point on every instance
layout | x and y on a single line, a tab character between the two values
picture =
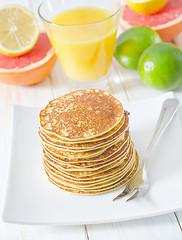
31	67
167	22
19	30
146	6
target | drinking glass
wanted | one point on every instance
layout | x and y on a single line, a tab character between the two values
83	35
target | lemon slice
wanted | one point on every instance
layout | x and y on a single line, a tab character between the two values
19	30
146	7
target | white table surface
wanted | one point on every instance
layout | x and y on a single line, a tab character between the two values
130	88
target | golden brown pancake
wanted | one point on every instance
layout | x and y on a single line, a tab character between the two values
75	171
123	126
123	180
88	163
87	148
104	137
99	153
82	114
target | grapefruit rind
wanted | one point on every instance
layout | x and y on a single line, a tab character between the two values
32	73
29	75
167	31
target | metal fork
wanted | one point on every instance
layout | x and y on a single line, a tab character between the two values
139	184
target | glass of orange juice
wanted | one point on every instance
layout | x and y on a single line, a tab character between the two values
83	35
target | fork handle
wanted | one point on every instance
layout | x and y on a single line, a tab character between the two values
168	111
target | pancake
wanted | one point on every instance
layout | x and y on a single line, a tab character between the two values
82	114
80	163
123	126
100	153
103	137
109	188
87	148
55	147
109	154
97	176
91	171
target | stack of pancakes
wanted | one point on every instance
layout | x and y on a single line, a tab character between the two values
86	144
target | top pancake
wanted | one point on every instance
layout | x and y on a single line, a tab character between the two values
82	114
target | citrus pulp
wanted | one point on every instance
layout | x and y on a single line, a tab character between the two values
167	22
31	67
19	30
146	6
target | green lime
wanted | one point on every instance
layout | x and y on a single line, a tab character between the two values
160	66
132	43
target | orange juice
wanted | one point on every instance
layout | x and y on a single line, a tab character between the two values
84	41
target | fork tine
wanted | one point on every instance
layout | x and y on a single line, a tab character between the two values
120	196
124	194
133	196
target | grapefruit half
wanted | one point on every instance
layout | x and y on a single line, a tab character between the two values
167	22
30	68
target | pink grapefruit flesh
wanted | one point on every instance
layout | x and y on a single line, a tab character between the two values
30	68
167	22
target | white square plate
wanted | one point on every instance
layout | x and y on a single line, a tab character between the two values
32	199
